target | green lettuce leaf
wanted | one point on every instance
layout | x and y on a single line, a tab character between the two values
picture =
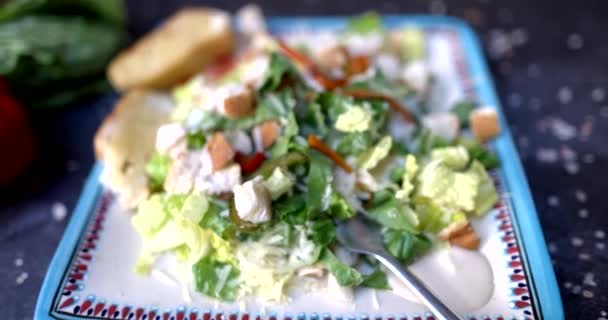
216	279
319	182
322	231
213	219
345	275
388	211
290	130
376	280
291	210
377	153
477	152
462	110
486	195
454	157
156	169
354	143
404	245
278	68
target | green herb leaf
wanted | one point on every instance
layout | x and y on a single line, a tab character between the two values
462	110
345	275
392	213
477	152
279	67
216	279
404	245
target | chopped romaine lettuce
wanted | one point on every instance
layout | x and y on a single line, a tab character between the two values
319	183
376	280
279	67
279	183
322	231
354	119
354	143
291	210
156	169
365	23
345	275
195	140
290	130
479	153
454	157
371	158
448	188
407	180
390	212
216	279
195	206
486	194
414	45
462	110
151	216
404	245
215	220
338	207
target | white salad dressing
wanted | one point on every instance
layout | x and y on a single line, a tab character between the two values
462	278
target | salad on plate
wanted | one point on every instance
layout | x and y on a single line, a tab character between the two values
241	171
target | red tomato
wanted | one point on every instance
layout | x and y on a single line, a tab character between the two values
16	137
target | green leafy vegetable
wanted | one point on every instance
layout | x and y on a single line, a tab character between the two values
354	143
279	183
195	140
479	153
338	207
290	130
156	169
376	280
291	210
285	161
454	157
214	220
462	110
323	231
404	245
345	275
319	182
108	10
216	279
388	211
486	195
365	23
428	141
279	67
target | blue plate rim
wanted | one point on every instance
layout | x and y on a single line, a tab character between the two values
545	291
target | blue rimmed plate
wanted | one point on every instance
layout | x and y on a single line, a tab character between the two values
90	275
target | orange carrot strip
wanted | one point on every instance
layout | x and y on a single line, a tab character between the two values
392	102
320	146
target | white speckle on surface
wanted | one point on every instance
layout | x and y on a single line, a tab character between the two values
584	256
21	278
533	70
575	41
514	100
534	104
18	262
59	211
583	213
600	234
589	280
546	155
72	165
576	241
572	167
564	95
598	94
552	247
580	195
553	201
438	7
499	44
603	313
576	289
589	158
519	37
567	153
567	285
587	294
562	129
600	245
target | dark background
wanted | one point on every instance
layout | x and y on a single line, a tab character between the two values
550	64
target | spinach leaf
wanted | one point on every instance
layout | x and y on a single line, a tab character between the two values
404	245
319	182
376	280
216	279
156	169
345	275
323	231
392	213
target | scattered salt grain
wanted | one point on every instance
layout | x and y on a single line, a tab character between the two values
546	155
581	195
584	256
600	245
576	289
587	294
598	94
519	37
564	95
59	211
567	285
438	7
553	201
572	167
552	247
575	41
600	234
533	70
589	280
583	213
499	44
21	278
562	129
603	313
18	262
588	158
576	241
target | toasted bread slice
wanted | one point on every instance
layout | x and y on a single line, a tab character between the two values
181	47
125	141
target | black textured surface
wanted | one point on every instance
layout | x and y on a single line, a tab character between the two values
542	54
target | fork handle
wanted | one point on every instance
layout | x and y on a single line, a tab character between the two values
430	299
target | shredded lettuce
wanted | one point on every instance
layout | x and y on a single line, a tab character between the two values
279	183
448	188
322	231
290	130
407	180
319	182
486	194
390	212
354	119
404	245
216	279
156	169
354	143
345	275
371	158
454	157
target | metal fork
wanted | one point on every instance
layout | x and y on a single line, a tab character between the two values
361	235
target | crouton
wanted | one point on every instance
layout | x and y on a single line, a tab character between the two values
484	124
461	234
182	46
220	151
269	131
238	102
